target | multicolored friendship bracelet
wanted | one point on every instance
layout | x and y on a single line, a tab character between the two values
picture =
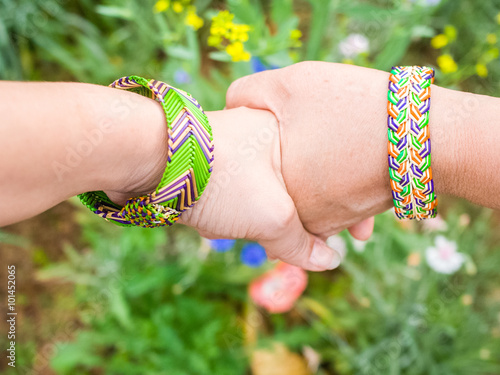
189	162
409	143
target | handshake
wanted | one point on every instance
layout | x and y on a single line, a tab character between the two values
300	155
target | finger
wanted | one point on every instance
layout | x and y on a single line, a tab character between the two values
261	90
294	245
208	235
362	230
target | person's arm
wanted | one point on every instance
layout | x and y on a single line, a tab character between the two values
61	139
333	124
325	169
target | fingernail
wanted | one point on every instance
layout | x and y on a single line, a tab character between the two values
324	257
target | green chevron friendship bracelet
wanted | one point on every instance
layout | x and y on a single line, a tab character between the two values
189	162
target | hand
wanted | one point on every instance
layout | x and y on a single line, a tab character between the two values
332	121
247	197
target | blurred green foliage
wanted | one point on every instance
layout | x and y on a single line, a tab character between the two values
156	302
136	294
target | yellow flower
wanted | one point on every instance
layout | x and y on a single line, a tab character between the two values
177	6
192	19
161	6
450	32
481	70
484	354
470	267
238	33
491	54
221	22
364	302
439	41
295	36
467	300
294	56
491	38
223	30
447	64
214	40
413	259
237	52
498	18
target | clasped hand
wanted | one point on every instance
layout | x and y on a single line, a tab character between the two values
296	161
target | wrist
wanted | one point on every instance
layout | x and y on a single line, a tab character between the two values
450	133
466	145
133	155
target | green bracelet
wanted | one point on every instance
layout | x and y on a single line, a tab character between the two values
189	162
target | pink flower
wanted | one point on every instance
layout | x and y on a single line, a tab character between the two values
444	257
278	289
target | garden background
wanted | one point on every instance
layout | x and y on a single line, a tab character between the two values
417	298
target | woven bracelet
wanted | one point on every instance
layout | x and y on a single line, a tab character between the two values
189	162
409	145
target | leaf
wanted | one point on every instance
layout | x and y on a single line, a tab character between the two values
181	52
422	31
394	49
13	239
220	56
120	308
116	12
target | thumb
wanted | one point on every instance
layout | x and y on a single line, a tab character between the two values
263	90
296	246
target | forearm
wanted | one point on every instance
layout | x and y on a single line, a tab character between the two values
61	139
465	136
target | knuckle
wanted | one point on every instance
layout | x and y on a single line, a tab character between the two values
285	216
282	217
233	90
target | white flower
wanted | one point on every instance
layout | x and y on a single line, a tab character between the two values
337	243
435	225
353	45
444	257
357	245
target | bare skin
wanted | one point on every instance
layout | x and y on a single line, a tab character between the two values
79	137
307	161
333	127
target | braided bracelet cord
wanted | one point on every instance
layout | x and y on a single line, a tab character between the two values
409	145
189	162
